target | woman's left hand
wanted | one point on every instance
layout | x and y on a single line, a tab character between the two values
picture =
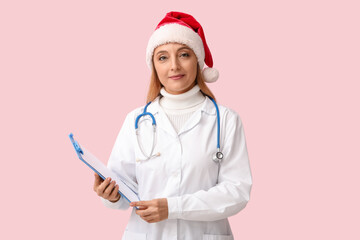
152	211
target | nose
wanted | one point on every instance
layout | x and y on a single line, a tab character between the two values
175	65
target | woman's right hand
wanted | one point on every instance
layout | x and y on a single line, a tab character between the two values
106	189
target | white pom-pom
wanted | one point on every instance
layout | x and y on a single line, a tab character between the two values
210	75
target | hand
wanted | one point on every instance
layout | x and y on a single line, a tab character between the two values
106	189
152	211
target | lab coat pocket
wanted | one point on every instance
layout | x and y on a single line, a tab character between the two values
217	237
133	236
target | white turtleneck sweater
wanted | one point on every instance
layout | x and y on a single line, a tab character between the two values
180	107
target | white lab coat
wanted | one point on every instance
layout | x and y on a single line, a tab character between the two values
201	194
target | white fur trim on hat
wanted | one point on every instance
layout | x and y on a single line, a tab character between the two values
178	33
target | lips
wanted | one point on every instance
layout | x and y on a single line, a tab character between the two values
175	77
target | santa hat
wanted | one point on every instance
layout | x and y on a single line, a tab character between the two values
183	28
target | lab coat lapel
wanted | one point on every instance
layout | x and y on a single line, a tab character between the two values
207	107
165	123
191	122
162	121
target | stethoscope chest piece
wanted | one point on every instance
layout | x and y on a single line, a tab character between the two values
218	157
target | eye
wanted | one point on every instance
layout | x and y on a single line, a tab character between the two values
162	58
185	55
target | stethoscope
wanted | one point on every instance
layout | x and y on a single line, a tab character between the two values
217	156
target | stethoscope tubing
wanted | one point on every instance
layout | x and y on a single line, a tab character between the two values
144	114
215	158
218	123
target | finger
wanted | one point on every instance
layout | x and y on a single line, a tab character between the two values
140	203
97	181
101	188
109	189
139	212
149	219
114	194
142	207
144	213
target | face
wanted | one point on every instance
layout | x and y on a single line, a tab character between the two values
176	67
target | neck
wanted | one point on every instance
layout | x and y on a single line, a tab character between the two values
181	101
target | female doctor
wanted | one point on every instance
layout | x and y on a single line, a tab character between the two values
191	171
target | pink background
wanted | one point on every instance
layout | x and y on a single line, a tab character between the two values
289	68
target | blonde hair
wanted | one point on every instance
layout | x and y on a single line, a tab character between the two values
155	85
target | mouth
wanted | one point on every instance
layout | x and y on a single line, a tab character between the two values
175	77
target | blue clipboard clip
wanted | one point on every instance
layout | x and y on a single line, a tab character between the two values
76	145
80	152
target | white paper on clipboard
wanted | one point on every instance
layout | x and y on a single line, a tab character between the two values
105	172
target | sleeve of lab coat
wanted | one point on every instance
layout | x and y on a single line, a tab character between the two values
232	192
122	161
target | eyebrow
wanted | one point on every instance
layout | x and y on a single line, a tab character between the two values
176	50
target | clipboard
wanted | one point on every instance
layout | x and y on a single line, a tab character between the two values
97	166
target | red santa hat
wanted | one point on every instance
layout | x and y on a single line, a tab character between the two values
183	28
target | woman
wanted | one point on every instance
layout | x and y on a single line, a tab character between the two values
187	188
